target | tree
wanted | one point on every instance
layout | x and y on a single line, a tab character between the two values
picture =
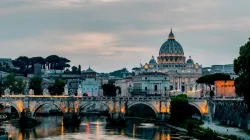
179	108
15	85
74	69
109	90
79	69
24	59
209	79
1	88
242	68
36	84
52	60
35	60
57	88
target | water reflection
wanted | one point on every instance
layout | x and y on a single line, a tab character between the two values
93	128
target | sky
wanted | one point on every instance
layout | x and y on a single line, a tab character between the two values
108	35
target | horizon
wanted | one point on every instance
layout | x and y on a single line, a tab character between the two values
106	36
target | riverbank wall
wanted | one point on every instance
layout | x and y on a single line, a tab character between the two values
231	113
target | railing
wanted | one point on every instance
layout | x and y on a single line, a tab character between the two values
87	98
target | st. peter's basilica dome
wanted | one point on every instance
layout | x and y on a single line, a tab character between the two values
171	46
171	51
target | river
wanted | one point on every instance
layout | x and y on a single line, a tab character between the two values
91	128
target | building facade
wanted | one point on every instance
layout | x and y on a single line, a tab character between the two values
150	83
225	88
125	84
6	62
226	69
89	84
182	73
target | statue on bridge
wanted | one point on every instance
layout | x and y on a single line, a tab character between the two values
79	90
7	91
31	92
66	91
45	91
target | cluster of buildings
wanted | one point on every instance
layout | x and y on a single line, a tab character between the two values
171	72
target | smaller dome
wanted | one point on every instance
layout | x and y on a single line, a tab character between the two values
152	60
190	61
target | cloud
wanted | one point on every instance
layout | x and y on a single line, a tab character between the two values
111	34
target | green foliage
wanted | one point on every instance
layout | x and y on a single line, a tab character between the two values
178	108
58	87
36	84
79	69
194	129
109	90
74	70
242	68
2	88
15	85
209	79
119	73
211	93
26	65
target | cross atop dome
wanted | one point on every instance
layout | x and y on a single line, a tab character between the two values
171	35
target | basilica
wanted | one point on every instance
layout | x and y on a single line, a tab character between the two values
176	72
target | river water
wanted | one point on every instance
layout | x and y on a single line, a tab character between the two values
91	128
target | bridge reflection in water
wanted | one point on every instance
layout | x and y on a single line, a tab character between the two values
91	128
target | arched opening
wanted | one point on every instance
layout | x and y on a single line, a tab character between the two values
47	109
90	109
141	110
194	111
8	110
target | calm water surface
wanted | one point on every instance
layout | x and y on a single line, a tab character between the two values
91	128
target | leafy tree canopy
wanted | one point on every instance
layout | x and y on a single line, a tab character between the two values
110	89
209	79
57	88
242	68
74	70
119	73
177	107
16	85
36	85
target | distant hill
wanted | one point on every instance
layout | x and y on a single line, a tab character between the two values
119	73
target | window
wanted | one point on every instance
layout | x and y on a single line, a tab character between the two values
146	78
171	87
165	88
182	88
155	87
146	88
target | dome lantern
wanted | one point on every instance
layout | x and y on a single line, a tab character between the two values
171	35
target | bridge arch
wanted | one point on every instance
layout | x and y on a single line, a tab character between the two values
38	105
144	103
84	105
13	105
197	107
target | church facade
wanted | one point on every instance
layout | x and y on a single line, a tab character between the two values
182	74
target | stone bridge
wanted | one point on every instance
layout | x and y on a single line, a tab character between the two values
160	105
